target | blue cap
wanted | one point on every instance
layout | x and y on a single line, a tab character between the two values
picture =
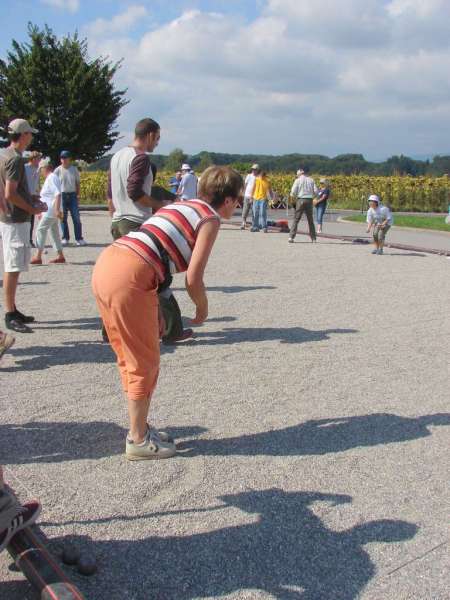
65	154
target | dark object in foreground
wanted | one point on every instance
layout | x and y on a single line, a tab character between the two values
70	555
163	195
87	565
41	568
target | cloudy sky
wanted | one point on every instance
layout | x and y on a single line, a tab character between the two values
270	76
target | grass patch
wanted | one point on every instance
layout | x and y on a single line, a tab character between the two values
436	223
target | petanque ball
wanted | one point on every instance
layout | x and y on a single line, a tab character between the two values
87	565
70	555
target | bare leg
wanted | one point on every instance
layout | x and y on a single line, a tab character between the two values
138	413
10	281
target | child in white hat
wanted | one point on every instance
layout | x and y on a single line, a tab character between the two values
379	221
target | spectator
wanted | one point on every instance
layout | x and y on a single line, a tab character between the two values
174	182
249	186
131	178
261	194
51	195
188	184
16	208
303	190
321	202
70	190
32	173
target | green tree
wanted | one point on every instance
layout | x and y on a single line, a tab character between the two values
205	161
68	97
175	159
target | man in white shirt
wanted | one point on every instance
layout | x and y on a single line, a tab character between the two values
32	175
51	195
188	184
249	186
303	190
70	189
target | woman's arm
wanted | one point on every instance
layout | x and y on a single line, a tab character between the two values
194	276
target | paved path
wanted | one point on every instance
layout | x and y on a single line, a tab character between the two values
312	418
417	238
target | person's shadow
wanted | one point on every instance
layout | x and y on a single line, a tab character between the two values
288	553
321	436
68	353
284	335
54	442
231	289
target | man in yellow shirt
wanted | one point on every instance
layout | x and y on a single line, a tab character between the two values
261	194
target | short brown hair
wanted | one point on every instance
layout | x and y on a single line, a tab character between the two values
218	183
146	126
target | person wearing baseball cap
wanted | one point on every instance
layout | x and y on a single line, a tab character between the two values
379	221
69	178
16	208
303	191
249	188
188	184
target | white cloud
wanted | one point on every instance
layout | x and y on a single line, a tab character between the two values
313	76
121	23
69	5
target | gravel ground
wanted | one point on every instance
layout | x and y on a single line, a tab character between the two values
312	417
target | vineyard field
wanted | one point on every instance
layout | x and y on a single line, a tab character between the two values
402	193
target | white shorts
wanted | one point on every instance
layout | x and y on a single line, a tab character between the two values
16	246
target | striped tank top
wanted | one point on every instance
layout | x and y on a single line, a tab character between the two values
170	235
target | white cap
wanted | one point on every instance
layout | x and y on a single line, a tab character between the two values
255	167
185	167
374	198
44	162
20	126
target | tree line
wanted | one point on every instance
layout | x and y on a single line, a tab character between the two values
344	164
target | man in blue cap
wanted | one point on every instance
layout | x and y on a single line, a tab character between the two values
70	189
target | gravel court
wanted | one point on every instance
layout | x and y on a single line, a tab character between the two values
312	414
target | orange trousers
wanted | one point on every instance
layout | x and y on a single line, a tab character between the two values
125	288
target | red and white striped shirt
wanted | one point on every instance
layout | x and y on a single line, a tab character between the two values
174	230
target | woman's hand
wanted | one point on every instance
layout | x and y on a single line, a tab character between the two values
201	314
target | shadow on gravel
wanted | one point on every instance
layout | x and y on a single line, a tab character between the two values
53	442
90	323
69	353
232	289
16	590
287	553
320	436
285	335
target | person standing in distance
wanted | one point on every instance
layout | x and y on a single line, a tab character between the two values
303	190
16	208
249	186
188	184
32	173
69	177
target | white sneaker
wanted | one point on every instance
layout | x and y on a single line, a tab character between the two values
81	243
290	240
65	242
152	448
